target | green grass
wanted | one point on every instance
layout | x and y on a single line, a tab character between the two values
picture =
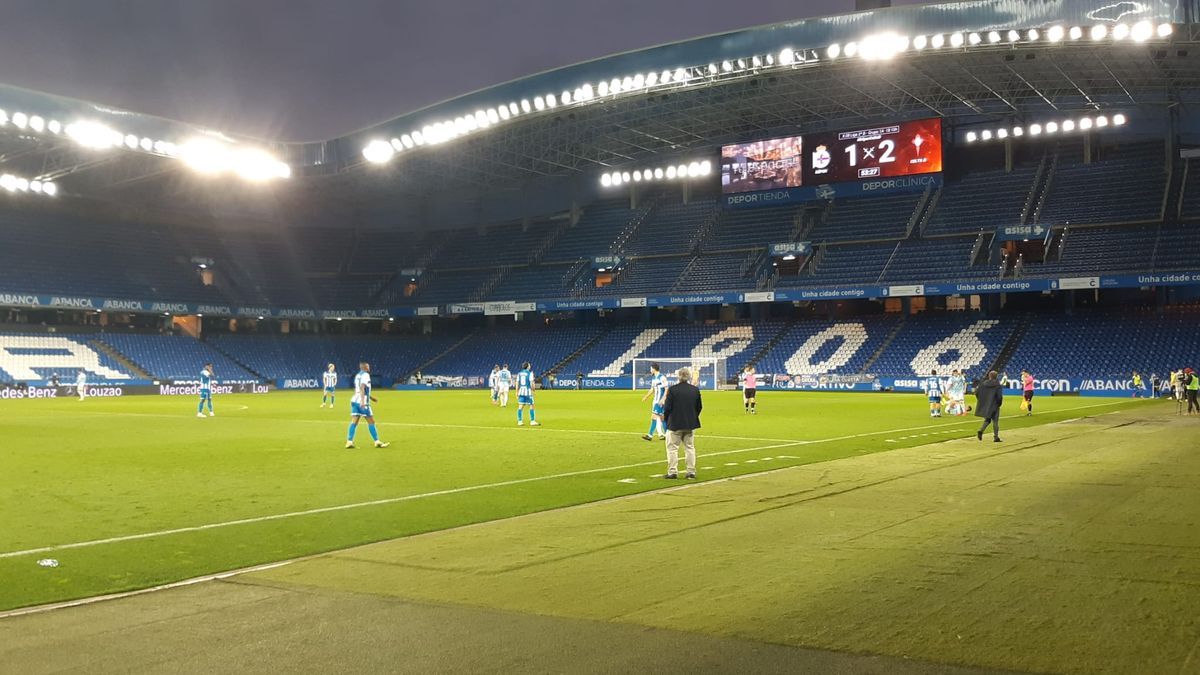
116	468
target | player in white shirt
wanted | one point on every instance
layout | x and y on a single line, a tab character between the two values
360	407
933	389
494	384
956	392
504	380
658	389
750	390
329	382
81	384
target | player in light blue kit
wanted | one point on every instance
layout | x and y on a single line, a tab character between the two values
524	394
658	389
933	389
206	377
494	384
329	380
360	406
504	380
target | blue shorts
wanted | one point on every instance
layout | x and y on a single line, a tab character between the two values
329	390
364	410
524	400
935	399
205	394
656	409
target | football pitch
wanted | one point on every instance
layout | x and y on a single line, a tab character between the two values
133	493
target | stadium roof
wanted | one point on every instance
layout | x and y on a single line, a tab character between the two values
994	61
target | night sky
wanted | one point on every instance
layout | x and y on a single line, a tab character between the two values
303	70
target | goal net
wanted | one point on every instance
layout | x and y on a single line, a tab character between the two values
707	372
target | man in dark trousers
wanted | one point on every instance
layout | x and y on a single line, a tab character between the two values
989	396
681	413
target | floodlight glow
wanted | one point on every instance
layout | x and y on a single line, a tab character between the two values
603	88
1051	127
1035	129
1075	33
694	169
525	106
920	42
658	173
680	75
938	41
726	66
504	114
993	37
396	144
131	142
587	91
1085	123
670	173
54	126
8	182
1118	119
551	102
1056	34
1120	31
1013	36
712	69
1164	30
49	189
539	103
614	85
651	79
1142	31
1018	131
146	144
851	49
481	118
257	165
833	51
1002	133
956	40
985	135
681	171
3	118
198	154
1101	121
1068	125
616	178
514	109
22	185
92	135
637	176
741	64
606	180
770	59
419	137
625	177
786	56
757	60
35	186
972	137
1032	35
974	38
37	123
1099	32
705	168
20	120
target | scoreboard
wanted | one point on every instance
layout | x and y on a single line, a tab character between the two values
879	151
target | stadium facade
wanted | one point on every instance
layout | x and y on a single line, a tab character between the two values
982	158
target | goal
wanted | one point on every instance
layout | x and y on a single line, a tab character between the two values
707	372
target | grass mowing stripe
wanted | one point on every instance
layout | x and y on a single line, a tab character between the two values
471	488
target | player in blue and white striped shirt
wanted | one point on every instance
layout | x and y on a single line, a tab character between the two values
933	389
525	382
329	380
360	406
658	389
206	376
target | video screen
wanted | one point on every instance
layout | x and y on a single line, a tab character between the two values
879	151
762	165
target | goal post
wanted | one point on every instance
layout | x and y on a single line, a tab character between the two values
707	372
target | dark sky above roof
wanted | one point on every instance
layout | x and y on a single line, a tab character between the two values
304	70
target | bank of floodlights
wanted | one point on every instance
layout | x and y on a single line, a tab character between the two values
1052	127
11	183
683	171
883	46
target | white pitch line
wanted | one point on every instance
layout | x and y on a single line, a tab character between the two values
450	491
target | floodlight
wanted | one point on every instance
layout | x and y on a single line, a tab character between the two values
616	178
757	60
37	123
1099	32
741	64
786	56
3	118
551	102
525	106
705	167
514	109
985	135
23	184
1051	127
1056	34
1035	129
1013	36
972	137
664	77
1002	133
49	189
833	51
1101	121
146	144
614	86
628	84
1068	125
1118	119
851	49
1165	30
920	42
938	41
539	103
1120	31
637	176
1075	33
203	156
8	182
658	173
1142	31
1018	131
670	173
54	126
35	186
993	37
1085	123
680	75
694	169
956	40
651	79
20	120
481	118
681	170
90	134
587	91
726	66
256	165
419	137
974	38
1032	35
131	142
396	144
770	59
603	88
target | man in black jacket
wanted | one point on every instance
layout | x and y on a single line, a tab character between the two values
989	396
681	412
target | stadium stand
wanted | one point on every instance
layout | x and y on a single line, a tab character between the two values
305	356
943	342
1090	249
550	281
818	347
671	227
542	346
37	357
745	228
595	232
642	276
613	354
920	260
719	270
1125	185
982	200
850	264
174	357
866	219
